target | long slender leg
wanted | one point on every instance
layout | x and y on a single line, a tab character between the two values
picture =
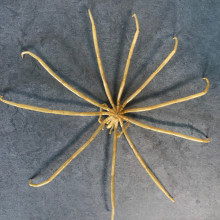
152	75
51	111
99	60
65	84
161	105
60	169
153	177
128	60
140	124
113	170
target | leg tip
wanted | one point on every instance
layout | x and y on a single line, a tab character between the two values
22	54
207	80
207	140
90	14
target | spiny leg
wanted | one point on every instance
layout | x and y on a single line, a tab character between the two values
99	60
113	170
152	75
160	130
65	84
128	61
60	169
51	111
153	177
161	105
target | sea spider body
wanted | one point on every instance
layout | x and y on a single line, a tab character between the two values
114	116
113	119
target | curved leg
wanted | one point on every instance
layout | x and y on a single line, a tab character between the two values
61	168
99	60
51	111
128	61
113	171
65	84
153	177
152	75
164	104
140	124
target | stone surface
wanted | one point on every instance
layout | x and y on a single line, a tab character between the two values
33	144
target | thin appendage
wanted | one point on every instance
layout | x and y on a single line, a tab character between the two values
152	75
96	45
65	84
144	165
127	125
160	130
128	61
113	170
100	116
50	111
164	104
61	168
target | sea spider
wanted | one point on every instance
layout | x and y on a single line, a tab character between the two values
115	114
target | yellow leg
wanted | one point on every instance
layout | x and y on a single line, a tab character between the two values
153	177
50	111
65	84
128	60
113	171
140	124
152	75
161	105
99	60
61	168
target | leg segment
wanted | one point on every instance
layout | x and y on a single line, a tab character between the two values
60	169
128	61
65	84
152	75
99	60
153	177
50	111
161	105
113	171
140	124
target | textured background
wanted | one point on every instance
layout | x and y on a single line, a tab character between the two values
31	142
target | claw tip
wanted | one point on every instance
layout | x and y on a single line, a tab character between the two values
207	140
171	198
22	55
89	12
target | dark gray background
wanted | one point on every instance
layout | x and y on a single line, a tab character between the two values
60	33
